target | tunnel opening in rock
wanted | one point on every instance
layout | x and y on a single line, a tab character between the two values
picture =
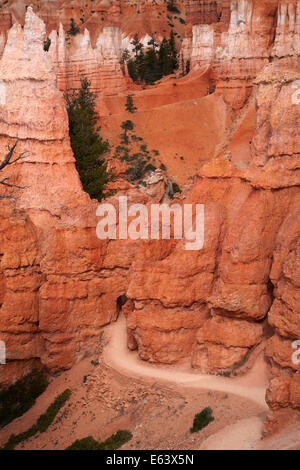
121	300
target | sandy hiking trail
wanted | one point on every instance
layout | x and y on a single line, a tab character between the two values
116	355
244	434
117	390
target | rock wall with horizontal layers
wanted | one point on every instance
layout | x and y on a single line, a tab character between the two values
237	50
246	278
203	11
101	65
216	307
58	283
105	27
142	17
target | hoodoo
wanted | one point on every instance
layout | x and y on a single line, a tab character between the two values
198	105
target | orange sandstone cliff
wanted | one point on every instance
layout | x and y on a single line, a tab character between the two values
215	308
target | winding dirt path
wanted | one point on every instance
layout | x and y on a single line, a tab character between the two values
242	435
116	355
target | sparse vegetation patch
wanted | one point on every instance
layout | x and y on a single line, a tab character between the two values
112	443
21	396
42	423
202	419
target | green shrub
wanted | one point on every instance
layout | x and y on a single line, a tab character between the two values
14	440
87	443
116	440
172	7
112	443
149	66
47	44
188	67
73	28
42	423
21	396
150	167
202	419
129	106
139	163
47	418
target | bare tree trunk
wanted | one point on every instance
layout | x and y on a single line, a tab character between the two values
8	160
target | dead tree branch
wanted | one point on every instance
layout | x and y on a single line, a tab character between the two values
9	160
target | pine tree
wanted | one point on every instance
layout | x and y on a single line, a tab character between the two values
132	70
126	126
156	62
138	47
172	7
152	68
173	51
165	61
125	57
129	106
141	65
87	145
73	28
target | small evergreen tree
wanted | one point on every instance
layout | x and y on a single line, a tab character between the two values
138	47
141	65
129	106
164	59
47	44
172	51
125	57
172	7
87	145
139	163
153	44
156	62
188	67
73	28
126	126
132	70
152	68
202	419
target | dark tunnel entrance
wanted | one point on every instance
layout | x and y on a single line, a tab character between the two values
120	302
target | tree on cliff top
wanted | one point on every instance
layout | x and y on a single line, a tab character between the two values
155	62
87	145
7	161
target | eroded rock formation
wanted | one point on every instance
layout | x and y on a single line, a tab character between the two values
214	307
237	48
101	65
53	304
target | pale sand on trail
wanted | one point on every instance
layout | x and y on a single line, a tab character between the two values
163	396
244	434
116	355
